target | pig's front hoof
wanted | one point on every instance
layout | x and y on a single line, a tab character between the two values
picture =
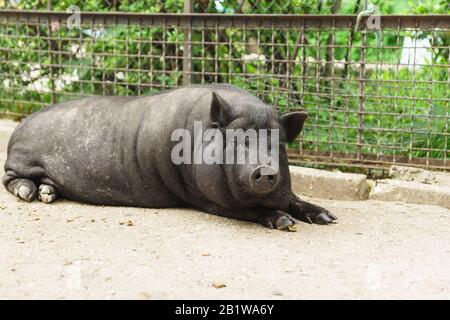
308	212
318	218
324	218
284	223
46	193
280	220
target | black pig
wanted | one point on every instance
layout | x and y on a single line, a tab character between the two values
117	151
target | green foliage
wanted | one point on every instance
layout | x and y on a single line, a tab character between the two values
144	6
401	112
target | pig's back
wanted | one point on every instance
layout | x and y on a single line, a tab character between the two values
88	149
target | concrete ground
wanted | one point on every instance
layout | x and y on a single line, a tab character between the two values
71	250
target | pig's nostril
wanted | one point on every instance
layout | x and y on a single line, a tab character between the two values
263	183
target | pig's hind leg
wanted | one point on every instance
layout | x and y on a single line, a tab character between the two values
23	188
21	179
47	193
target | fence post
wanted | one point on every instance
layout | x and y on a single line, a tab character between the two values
51	45
187	49
362	86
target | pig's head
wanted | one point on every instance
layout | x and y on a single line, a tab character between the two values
256	181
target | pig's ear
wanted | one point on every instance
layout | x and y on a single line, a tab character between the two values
220	111
292	124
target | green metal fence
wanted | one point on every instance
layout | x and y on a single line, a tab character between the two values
376	88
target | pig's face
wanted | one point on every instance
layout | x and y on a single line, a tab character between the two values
254	139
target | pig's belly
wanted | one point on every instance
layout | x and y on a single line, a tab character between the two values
107	184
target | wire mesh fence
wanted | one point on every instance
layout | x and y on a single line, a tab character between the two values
375	97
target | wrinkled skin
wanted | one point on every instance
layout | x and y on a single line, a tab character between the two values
117	151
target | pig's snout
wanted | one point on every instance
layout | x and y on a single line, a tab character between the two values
264	179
